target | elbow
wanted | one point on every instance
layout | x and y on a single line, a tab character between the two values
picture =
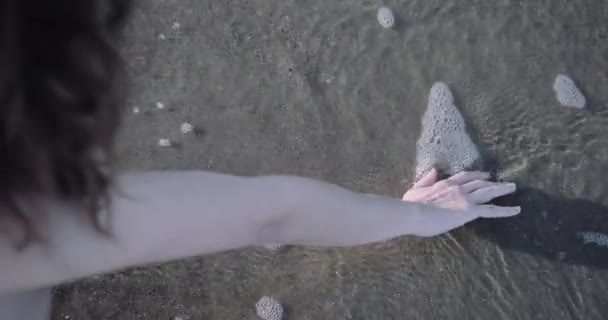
278	212
274	230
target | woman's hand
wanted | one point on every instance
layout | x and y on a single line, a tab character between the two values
465	194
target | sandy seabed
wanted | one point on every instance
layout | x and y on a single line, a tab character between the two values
319	89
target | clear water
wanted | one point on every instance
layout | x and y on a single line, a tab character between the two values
318	88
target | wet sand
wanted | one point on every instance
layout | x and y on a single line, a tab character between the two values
319	89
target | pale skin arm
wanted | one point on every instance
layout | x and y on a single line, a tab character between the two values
164	216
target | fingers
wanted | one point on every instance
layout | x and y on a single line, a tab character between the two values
427	180
491	211
475	185
486	194
466	176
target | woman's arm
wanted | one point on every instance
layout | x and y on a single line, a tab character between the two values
163	216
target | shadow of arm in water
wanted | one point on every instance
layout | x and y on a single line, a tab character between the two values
550	227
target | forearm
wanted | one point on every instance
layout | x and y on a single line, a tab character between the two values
323	214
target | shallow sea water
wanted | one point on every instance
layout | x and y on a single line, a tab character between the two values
318	88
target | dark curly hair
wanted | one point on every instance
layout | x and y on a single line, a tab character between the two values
61	93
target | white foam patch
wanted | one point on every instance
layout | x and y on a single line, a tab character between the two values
273	246
386	18
567	93
186	127
597	238
269	309
444	142
164	142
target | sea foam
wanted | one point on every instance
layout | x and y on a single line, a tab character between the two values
444	142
